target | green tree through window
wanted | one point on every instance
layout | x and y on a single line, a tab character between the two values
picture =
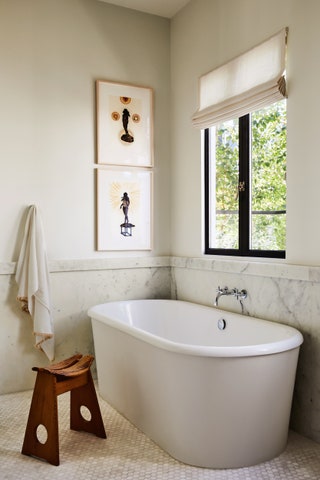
245	166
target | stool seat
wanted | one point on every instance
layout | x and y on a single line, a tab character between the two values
74	375
70	367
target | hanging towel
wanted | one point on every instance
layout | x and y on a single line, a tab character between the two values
32	277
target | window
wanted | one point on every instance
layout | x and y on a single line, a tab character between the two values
245	184
242	110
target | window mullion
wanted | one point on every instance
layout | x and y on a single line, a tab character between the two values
207	188
244	184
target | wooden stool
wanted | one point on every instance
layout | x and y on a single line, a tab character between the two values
72	374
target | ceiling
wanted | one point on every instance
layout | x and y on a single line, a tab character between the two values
164	8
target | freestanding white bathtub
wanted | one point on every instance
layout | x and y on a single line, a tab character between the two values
212	388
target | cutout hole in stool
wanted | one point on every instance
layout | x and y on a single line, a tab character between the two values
85	413
42	434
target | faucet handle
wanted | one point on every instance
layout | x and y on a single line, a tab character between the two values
239	294
222	290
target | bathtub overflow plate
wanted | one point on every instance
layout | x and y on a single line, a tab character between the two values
222	324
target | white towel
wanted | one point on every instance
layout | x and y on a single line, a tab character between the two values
32	277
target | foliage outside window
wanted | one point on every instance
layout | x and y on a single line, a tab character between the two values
245	177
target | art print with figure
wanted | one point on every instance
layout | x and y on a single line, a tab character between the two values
124	209
124	124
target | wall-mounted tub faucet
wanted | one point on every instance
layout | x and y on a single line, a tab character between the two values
220	292
239	294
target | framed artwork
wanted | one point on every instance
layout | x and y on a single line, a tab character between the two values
124	124
124	206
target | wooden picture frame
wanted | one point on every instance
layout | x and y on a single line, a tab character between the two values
124	208
124	124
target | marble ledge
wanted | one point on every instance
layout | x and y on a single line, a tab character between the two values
254	268
8	268
108	264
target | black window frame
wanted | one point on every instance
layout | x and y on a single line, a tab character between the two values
244	198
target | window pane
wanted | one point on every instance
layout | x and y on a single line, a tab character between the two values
224	184
268	178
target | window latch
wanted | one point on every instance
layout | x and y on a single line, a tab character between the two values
242	186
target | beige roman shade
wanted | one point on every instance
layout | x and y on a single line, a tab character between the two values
251	81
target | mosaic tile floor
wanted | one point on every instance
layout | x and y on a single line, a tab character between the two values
127	454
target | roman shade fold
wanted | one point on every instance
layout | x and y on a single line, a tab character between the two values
251	81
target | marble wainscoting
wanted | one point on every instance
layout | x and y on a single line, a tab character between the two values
276	291
76	285
280	292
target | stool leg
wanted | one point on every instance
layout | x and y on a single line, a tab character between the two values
43	411
86	396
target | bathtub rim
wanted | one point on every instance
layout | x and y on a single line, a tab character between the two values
279	346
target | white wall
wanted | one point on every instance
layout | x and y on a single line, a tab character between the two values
52	51
303	134
208	33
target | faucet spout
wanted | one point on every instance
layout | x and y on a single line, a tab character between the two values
220	292
238	294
